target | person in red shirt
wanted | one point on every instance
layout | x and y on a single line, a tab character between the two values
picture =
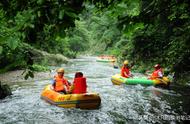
125	70
79	84
157	73
60	83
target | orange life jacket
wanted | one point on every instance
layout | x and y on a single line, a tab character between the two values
125	72
79	85
61	84
155	74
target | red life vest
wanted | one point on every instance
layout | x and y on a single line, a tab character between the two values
155	74
125	72
79	85
61	84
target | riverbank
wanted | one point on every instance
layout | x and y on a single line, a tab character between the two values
18	76
40	59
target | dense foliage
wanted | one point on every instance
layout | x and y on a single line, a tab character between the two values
164	38
39	23
144	31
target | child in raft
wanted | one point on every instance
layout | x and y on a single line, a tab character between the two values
125	70
157	73
60	83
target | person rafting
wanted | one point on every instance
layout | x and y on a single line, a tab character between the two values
114	64
60	83
125	70
157	73
79	84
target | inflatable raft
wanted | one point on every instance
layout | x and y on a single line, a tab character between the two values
118	80
83	101
105	60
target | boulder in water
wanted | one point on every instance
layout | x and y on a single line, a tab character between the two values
4	90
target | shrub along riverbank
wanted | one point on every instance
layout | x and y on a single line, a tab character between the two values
144	32
35	32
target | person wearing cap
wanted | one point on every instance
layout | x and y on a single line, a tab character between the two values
125	70
61	84
157	73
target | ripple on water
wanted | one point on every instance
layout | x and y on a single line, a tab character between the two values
119	104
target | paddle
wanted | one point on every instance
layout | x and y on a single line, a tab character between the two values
166	83
132	64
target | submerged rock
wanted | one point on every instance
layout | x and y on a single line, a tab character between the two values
4	90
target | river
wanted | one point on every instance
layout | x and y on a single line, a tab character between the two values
119	104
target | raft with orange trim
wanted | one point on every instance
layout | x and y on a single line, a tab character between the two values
118	80
83	101
105	60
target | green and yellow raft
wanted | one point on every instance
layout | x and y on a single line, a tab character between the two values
118	80
105	60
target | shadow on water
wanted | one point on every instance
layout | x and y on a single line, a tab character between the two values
120	104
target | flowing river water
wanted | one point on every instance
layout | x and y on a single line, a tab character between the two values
119	104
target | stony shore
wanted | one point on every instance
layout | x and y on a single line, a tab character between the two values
18	76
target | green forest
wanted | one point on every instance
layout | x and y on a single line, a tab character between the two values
145	32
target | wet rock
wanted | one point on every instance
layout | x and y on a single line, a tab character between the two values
39	56
4	90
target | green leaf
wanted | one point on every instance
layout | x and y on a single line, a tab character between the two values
31	25
31	74
1	49
39	2
26	76
61	14
71	14
12	43
184	16
39	14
